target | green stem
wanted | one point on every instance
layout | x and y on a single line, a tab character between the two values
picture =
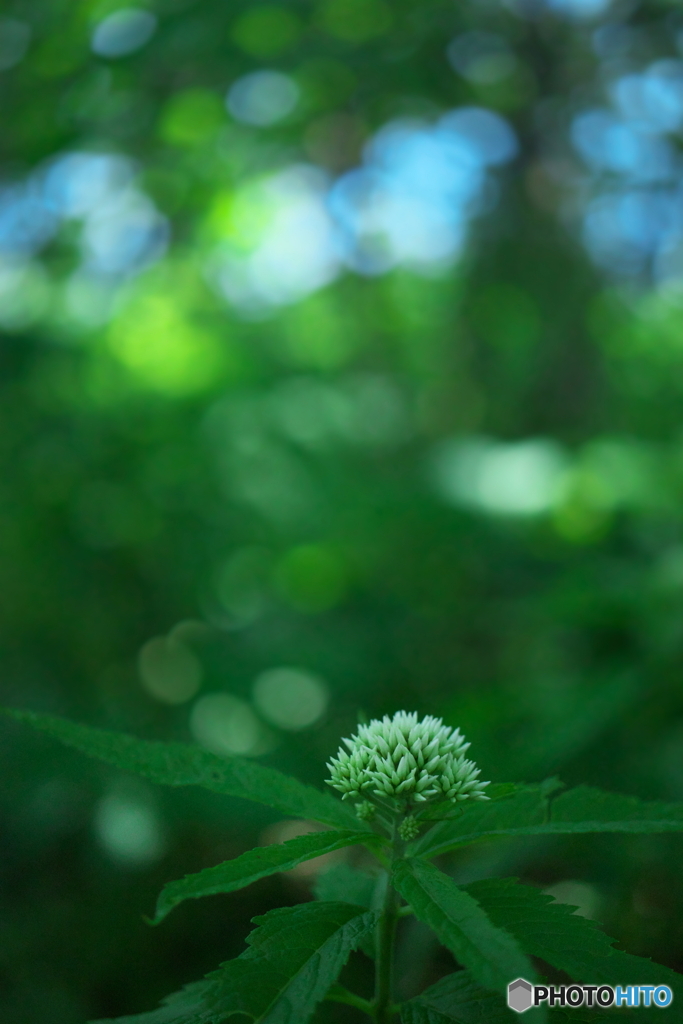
339	994
386	930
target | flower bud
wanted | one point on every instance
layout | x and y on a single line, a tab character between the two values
406	758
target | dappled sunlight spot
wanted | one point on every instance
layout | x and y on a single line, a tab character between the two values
585	897
380	413
122	32
162	348
78	183
25	294
308	871
654	98
653	327
419	187
121	230
127	826
667	575
627	469
580	8
630	201
362	409
522	478
15	36
283	831
312	578
27	223
241	585
262	473
125	235
282	245
492	140
262	98
582	524
290	698
640	334
583	516
258	470
310	412
89	300
381	416
226	725
192	117
242	217
169	670
608	475
624	231
410	202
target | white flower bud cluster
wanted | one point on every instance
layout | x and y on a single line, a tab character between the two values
365	811
409	828
401	757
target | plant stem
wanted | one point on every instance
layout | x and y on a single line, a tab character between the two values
386	930
339	994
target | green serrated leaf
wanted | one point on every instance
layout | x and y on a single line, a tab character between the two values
552	932
184	1007
530	812
457	999
492	955
294	956
342	883
254	864
179	764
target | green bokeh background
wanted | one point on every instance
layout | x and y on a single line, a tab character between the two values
195	495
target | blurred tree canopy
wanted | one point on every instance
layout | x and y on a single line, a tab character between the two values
342	369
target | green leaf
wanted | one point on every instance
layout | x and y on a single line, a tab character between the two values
179	764
184	1007
293	959
491	954
552	932
344	884
446	810
255	864
294	956
532	811
457	999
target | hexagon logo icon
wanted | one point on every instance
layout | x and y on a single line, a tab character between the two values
520	995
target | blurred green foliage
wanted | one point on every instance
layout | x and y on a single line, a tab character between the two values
277	396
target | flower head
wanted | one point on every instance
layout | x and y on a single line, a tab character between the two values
406	759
